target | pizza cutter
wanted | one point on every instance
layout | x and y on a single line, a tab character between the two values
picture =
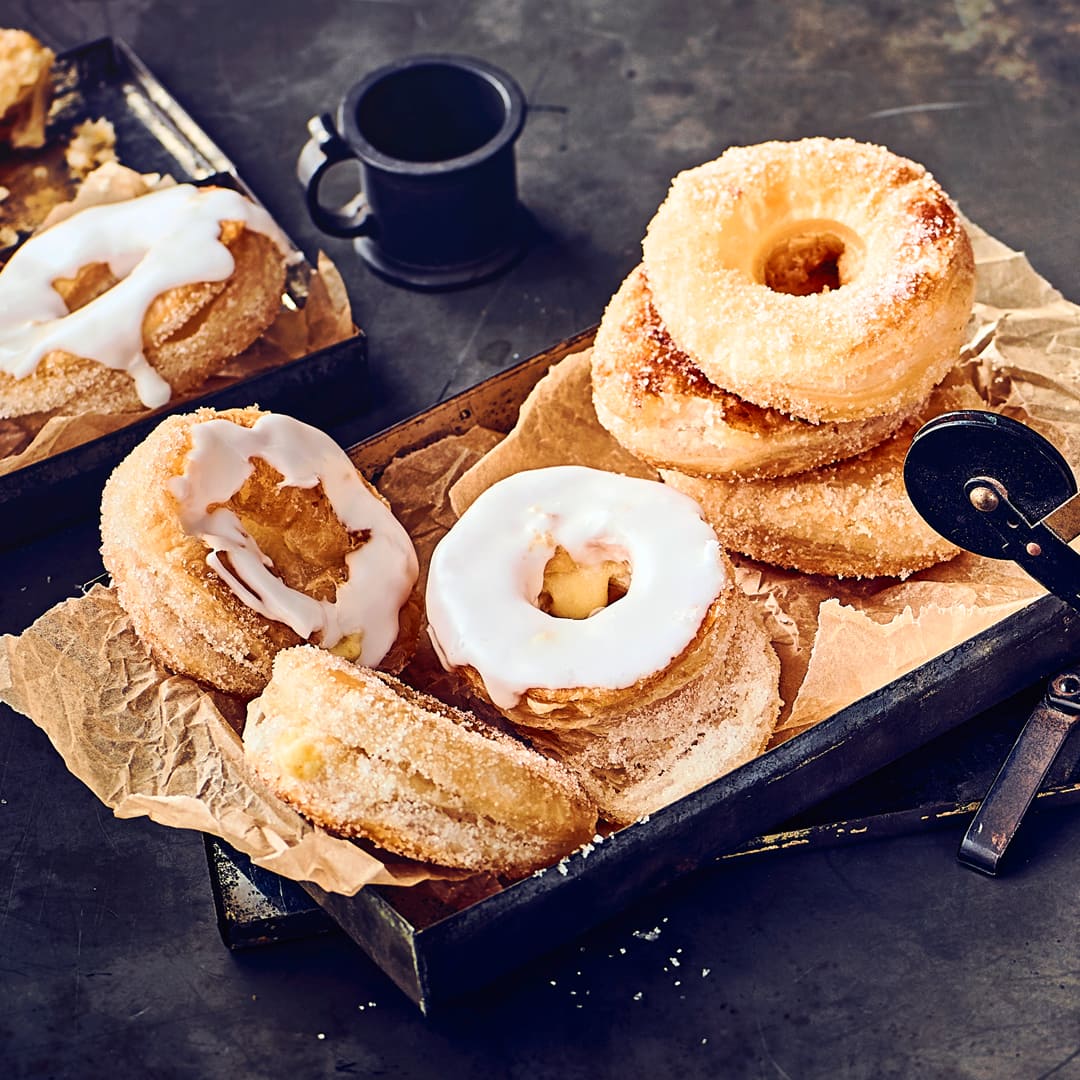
997	488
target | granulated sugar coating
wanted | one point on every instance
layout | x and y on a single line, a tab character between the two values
870	327
852	519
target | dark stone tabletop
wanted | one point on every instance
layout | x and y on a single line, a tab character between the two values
869	960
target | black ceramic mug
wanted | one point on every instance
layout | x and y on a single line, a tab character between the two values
434	136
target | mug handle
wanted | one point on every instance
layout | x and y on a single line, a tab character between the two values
323	150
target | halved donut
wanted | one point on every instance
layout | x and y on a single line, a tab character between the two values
363	755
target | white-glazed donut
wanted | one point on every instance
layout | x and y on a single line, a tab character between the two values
487	590
230	536
123	304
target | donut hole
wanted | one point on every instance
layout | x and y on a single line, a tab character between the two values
810	257
576	590
296	529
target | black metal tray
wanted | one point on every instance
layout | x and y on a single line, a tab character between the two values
435	956
104	78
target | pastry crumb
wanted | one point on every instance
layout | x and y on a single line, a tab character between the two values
92	144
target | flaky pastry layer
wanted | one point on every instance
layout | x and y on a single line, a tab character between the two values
364	755
653	399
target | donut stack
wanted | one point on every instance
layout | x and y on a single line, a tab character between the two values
797	315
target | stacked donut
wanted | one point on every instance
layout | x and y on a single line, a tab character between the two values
798	313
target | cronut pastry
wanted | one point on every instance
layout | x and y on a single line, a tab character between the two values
180	606
657	404
826	278
364	755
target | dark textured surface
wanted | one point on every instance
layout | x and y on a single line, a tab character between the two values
875	960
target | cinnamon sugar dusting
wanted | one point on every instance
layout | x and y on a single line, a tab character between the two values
664	367
825	278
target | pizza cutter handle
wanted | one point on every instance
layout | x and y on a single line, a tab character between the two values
1017	783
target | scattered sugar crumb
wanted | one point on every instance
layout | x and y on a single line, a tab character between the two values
638	996
93	144
648	935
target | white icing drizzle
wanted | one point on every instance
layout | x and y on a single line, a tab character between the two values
153	243
487	573
381	573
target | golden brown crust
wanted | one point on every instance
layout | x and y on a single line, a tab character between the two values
189	333
25	88
826	278
656	403
853	519
635	763
181	609
364	755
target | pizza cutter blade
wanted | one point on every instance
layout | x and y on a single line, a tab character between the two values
997	488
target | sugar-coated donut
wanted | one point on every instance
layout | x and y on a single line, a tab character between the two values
122	305
826	278
364	755
230	536
852	519
565	593
661	407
